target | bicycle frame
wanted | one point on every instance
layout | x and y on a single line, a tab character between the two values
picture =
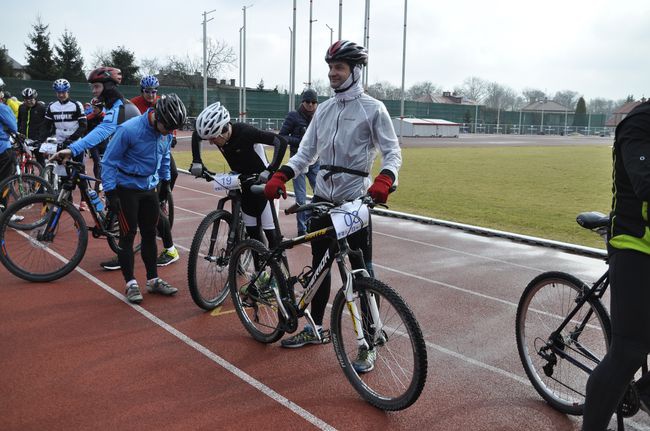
317	276
596	291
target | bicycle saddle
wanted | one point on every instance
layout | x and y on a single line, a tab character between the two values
592	220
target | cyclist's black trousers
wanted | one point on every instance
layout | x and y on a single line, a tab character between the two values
164	227
629	275
360	240
138	209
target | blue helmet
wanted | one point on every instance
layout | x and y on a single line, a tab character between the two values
149	81
61	85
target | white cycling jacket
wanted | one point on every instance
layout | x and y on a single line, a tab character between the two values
347	131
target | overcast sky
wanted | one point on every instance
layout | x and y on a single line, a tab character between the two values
595	47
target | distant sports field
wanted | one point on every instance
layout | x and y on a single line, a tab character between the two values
531	190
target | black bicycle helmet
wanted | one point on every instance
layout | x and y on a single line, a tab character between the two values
29	93
346	51
170	111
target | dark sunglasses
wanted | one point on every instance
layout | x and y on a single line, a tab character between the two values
310	102
150	91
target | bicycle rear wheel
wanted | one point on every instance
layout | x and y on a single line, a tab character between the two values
18	186
400	368
50	242
544	304
251	290
207	266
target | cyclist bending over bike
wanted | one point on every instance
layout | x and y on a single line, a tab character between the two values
136	159
344	135
629	275
238	143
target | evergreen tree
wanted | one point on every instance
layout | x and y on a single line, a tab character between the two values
40	61
6	71
68	61
580	117
124	60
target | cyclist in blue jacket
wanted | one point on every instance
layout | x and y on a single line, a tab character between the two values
7	124
135	161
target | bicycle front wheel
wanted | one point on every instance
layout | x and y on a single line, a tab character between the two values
252	279
50	241
400	367
550	357
18	186
207	266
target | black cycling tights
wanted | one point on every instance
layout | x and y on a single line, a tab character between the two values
629	276
139	209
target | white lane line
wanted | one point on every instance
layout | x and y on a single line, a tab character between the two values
214	357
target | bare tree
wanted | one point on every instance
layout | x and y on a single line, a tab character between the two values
566	98
189	70
499	96
422	89
101	57
321	87
533	94
384	90
150	66
474	88
602	106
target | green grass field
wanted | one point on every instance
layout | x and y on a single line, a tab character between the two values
534	191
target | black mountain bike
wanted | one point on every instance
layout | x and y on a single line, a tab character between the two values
563	331
51	238
366	313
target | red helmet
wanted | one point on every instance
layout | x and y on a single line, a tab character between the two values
105	74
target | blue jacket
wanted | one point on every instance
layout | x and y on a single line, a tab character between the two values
7	121
293	128
100	133
137	156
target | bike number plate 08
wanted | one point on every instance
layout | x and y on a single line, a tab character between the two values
349	218
225	182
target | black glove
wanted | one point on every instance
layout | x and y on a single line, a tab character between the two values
113	201
163	190
174	142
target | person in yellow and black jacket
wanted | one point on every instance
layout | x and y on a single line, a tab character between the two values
629	274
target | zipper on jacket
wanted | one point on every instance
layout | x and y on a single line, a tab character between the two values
334	151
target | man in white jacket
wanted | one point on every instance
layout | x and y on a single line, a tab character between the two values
345	135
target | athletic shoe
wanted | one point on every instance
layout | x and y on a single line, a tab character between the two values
16	217
307	336
365	360
133	294
161	287
111	265
166	257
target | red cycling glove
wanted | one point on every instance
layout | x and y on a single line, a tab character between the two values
275	186
378	191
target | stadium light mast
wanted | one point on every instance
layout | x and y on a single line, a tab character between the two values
366	43
205	55
340	19
401	115
244	109
240	73
292	82
311	21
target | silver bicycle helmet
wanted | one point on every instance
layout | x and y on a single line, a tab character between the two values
211	122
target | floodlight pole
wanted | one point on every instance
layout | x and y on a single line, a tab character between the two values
366	42
292	82
243	112
240	72
290	67
340	19
403	72
310	25
205	55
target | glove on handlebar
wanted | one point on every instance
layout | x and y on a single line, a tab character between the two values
275	186
378	191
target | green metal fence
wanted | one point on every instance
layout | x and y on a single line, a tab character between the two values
267	109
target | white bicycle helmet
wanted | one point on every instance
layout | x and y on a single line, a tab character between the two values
210	122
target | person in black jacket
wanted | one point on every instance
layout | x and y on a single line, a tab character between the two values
629	275
293	129
31	120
